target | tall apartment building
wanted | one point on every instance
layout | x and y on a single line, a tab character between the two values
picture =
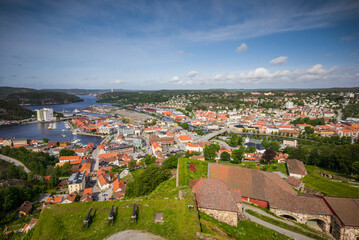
45	114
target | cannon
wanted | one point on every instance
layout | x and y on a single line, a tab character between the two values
111	216
87	220
134	214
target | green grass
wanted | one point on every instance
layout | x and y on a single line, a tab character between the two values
272	167
65	221
244	230
185	175
288	227
324	185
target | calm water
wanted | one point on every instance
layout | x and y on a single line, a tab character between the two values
88	101
40	130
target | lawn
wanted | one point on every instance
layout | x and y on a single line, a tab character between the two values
65	221
328	187
272	167
244	230
185	175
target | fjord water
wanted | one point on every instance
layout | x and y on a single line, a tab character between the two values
40	130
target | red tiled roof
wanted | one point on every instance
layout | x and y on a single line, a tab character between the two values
296	167
346	209
293	181
88	191
214	194
102	179
266	186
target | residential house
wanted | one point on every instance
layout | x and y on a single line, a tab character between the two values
296	168
25	208
76	182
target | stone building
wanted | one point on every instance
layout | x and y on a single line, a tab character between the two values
296	168
345	217
214	199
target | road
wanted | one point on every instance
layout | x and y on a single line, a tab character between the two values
15	162
283	231
207	137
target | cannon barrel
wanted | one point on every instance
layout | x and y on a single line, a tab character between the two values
88	216
111	212
134	209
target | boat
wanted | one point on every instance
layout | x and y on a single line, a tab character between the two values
75	141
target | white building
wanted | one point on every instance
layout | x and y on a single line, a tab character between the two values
289	105
45	114
76	182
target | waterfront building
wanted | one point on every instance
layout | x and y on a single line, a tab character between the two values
45	114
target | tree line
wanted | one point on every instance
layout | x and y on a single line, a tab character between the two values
36	162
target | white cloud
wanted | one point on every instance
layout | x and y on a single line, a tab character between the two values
175	79
319	69
279	60
117	82
347	38
191	73
180	52
241	48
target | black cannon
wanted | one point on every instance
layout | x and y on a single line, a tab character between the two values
134	214
87	220
111	216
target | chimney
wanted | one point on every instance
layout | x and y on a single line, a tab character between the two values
258	166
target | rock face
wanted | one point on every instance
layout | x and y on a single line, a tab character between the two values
231	218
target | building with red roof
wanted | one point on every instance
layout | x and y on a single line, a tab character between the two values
215	199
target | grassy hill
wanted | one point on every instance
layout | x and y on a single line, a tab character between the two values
42	97
13	111
339	186
65	221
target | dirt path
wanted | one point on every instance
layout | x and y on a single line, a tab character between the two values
134	235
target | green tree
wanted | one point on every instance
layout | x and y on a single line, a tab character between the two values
251	149
147	181
67	152
225	156
132	165
170	162
210	151
148	160
309	130
237	155
45	140
233	142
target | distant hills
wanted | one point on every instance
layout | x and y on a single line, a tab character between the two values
28	96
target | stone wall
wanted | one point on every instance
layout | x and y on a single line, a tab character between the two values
231	218
350	233
305	217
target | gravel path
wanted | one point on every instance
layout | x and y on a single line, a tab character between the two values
14	161
278	229
261	212
134	235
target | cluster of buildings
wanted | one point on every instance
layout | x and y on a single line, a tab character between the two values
222	194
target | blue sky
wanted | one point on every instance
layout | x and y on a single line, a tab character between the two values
179	44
